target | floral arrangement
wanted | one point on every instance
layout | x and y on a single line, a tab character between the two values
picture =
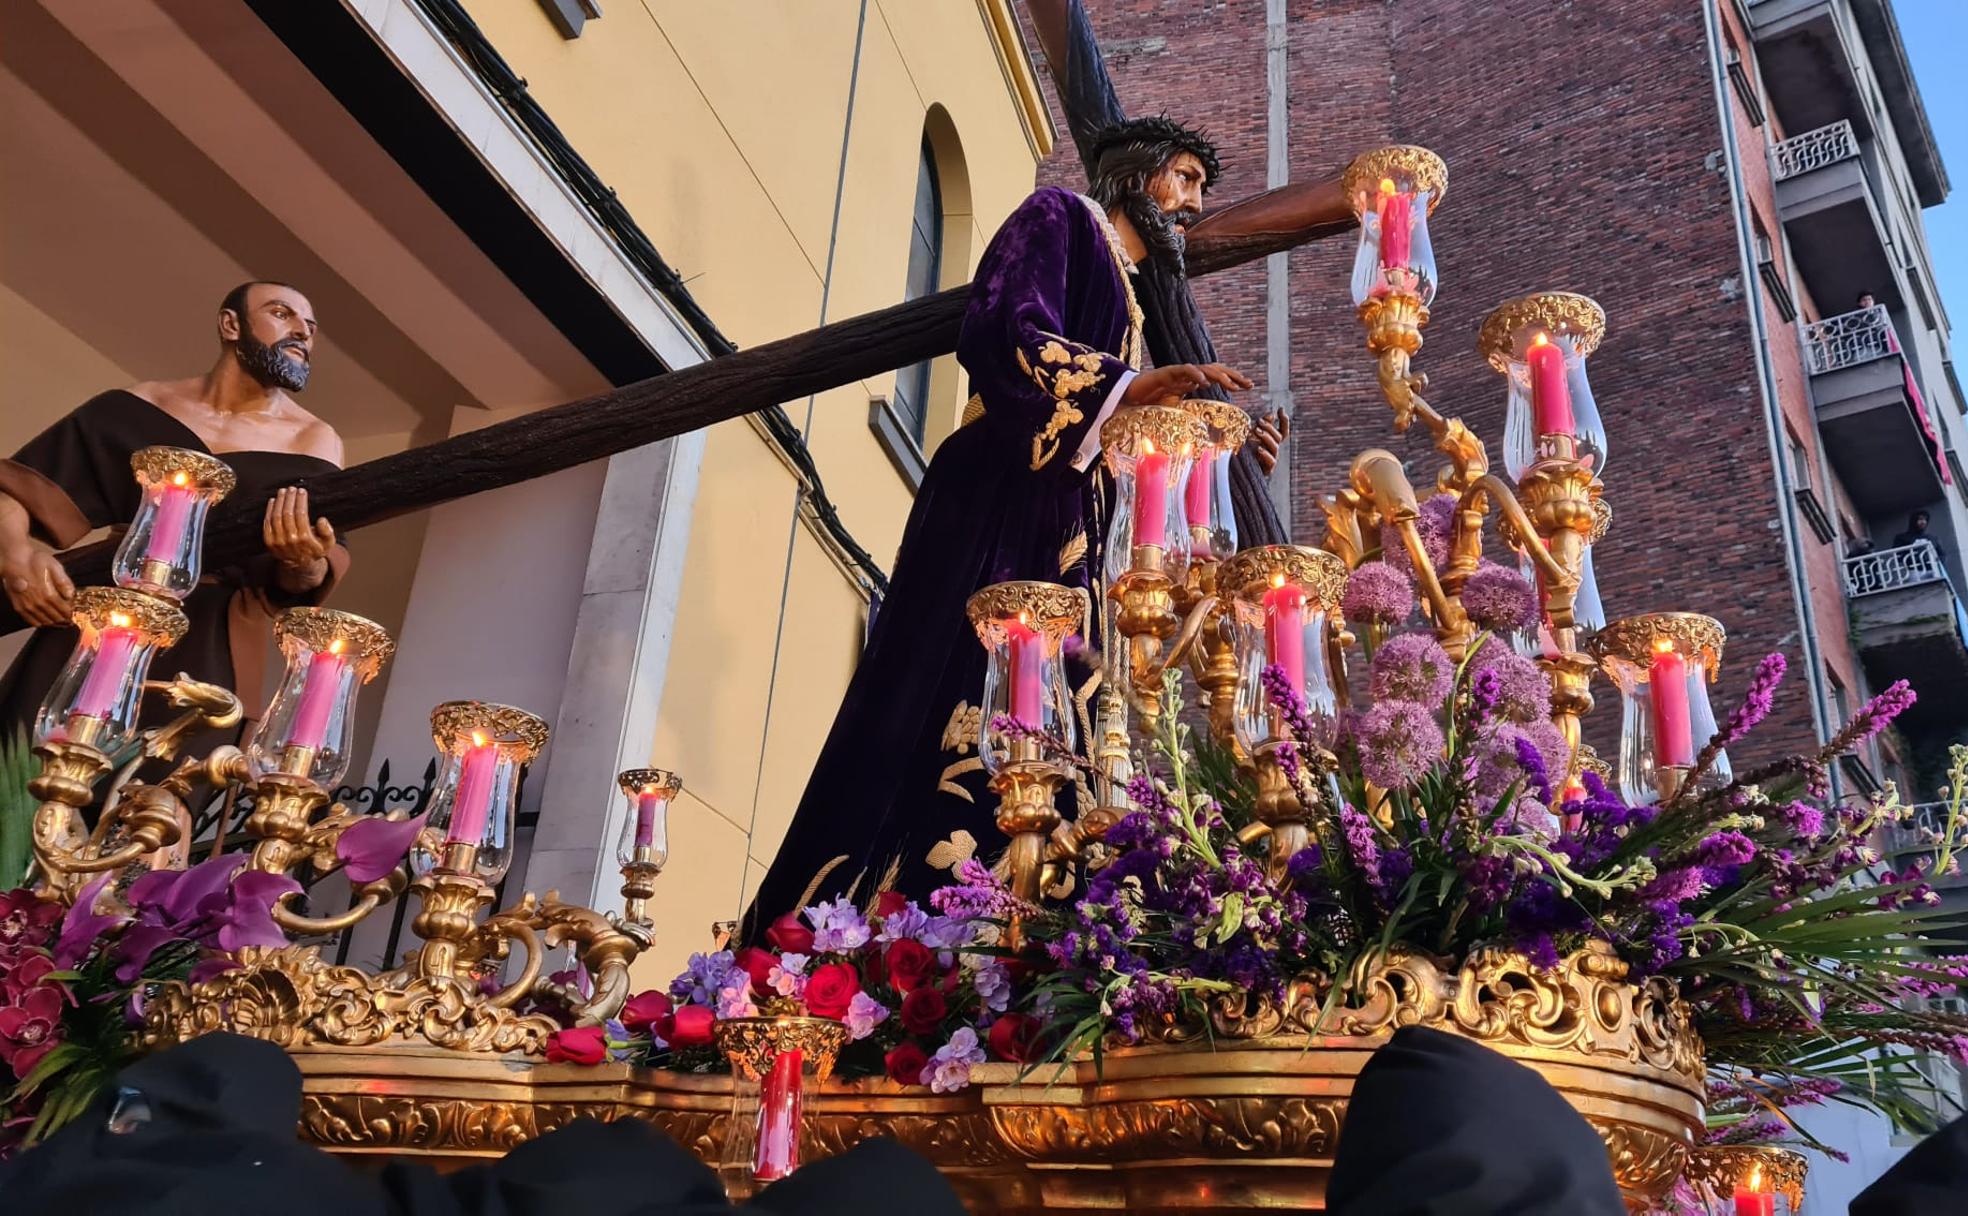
74	979
922	993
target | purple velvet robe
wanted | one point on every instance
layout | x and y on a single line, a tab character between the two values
1044	341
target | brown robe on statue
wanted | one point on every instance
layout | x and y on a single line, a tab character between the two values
75	477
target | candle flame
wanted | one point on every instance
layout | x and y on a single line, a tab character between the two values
1025	617
1147	447
335	647
1663	645
479	739
1277	578
180	478
1756	1177
1541	339
120	620
1387	185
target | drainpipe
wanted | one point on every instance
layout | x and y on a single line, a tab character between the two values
1767	381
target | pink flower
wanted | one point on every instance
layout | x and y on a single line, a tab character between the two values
1498	599
30	1028
25	916
1413	667
82	927
1523	691
370	848
1399	741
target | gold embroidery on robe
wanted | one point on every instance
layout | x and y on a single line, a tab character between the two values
1073	552
951	853
960	735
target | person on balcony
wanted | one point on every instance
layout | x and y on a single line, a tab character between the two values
1916	531
75	477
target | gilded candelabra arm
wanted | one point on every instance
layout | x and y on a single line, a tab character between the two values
493	941
226	765
370	896
1495	489
1193	624
205	705
1344	537
1378	478
151	815
605	948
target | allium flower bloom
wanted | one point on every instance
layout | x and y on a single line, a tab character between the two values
1412	667
1376	591
1435	523
1498	599
1399	741
1523	692
949	1069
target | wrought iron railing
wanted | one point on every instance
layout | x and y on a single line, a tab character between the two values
1816	149
1891	569
1849	339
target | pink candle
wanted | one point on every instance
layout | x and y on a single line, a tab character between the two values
1551	398
1396	225
1151	498
173	513
649	808
474	798
1284	630
779	1119
318	695
1667	682
1027	673
103	687
1196	499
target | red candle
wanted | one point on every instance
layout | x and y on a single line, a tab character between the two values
1027	673
1196	500
173	513
1551	398
474	799
1396	225
1151	498
1667	682
318	695
649	809
1284	629
779	1119
103	687
1752	1200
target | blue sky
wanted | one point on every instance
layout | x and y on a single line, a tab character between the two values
1936	37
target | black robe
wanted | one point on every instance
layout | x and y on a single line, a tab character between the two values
75	477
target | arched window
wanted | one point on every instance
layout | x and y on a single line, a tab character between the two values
925	273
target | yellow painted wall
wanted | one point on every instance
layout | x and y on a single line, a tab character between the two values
721	127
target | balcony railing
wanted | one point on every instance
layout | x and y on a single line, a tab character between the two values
1891	569
1849	339
1816	149
1919	831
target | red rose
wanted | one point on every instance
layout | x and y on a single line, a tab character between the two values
830	989
923	1010
910	964
1015	1037
647	1011
758	964
905	1064
788	936
692	1026
581	1045
888	903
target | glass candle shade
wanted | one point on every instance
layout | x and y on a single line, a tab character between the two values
1023	627
1283	600
1541	343
1663	664
484	747
777	1063
1206	505
1150	450
1393	191
309	728
162	550
95	699
1588	609
645	838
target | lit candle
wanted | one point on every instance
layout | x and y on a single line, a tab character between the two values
1284	629
1667	682
1027	674
1151	498
1551	399
173	513
649	810
1196	498
1396	225
1752	1199
779	1119
474	799
103	687
318	695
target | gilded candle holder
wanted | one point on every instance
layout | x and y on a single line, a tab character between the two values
162	552
308	730
93	703
1146	565
1627	650
1573	325
644	846
461	729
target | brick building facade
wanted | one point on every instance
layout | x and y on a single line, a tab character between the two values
1763	433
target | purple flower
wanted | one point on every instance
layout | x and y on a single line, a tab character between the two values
1877	714
1361	846
1399	741
1376	591
1756	703
1291	706
704	977
247	917
1494	760
907	923
1305	864
864	1013
1485	686
977	894
1498	599
993	982
736	1001
1725	849
949	1069
182	896
1412	667
1531	760
1523	692
82	927
1803	818
788	976
1435	522
370	848
1488	881
838	927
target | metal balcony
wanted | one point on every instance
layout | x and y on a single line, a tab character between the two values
1838	237
1876	432
1908	624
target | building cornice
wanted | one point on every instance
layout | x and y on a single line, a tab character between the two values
1021	75
1887	54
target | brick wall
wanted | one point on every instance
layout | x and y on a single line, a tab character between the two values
1578	137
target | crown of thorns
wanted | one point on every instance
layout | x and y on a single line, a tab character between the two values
1163	131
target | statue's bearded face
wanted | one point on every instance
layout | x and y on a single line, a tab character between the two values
1178	189
276	337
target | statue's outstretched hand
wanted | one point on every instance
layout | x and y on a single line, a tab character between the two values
1268	438
1178	380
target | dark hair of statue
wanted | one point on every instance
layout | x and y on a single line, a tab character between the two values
235	300
1130	155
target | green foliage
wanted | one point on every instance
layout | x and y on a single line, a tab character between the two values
17	768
